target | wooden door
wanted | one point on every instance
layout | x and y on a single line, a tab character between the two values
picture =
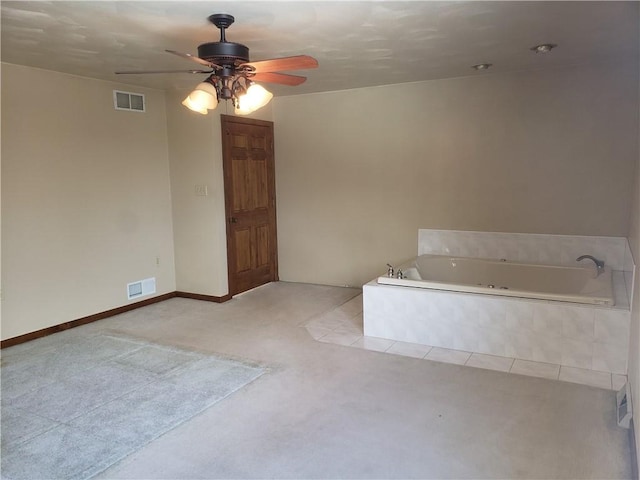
250	202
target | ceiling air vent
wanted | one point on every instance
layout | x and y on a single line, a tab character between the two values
128	101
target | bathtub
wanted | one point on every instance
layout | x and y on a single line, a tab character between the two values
506	278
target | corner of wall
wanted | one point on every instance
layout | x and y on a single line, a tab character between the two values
634	244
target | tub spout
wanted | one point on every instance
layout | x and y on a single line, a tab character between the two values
599	263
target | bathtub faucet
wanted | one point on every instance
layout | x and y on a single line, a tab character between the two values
599	263
390	270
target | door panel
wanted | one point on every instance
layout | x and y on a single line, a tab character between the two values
263	245
249	175
243	247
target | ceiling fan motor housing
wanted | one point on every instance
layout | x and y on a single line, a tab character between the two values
224	53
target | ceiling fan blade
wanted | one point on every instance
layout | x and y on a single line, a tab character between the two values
194	59
136	72
298	62
283	78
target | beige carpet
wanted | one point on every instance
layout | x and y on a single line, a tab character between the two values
326	411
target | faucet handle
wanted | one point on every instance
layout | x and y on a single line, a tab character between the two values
390	270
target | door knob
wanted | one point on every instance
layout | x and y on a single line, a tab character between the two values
233	220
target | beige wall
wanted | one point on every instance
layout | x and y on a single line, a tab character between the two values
86	204
195	154
358	172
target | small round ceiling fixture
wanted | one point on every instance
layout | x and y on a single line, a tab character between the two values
482	66
544	48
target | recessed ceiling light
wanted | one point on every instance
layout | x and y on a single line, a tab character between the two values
544	48
482	66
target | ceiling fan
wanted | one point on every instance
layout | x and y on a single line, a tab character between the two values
232	74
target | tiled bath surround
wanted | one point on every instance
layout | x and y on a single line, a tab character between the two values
570	335
593	338
343	326
535	248
526	247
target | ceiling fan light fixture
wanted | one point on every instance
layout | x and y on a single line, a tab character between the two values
255	97
231	73
203	98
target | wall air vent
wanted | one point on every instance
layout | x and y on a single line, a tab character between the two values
134	102
624	408
141	288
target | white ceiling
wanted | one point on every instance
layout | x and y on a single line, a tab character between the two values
357	43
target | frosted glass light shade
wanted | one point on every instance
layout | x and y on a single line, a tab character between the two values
256	97
191	105
203	98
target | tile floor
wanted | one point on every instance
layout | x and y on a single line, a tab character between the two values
343	326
